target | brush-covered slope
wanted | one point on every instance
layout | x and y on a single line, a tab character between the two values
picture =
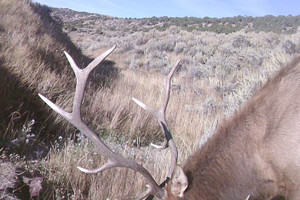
31	61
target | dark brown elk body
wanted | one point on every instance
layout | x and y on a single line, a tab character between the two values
255	153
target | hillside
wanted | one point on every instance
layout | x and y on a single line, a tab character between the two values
31	61
219	71
32	45
81	21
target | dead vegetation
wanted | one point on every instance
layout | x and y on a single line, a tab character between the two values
218	74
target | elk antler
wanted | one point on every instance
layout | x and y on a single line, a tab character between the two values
160	115
74	117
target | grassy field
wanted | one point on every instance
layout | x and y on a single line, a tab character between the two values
218	73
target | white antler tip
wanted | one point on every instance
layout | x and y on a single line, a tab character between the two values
94	171
139	103
114	46
55	107
41	96
157	146
47	101
83	170
66	53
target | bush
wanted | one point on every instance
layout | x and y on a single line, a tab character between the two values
240	42
289	47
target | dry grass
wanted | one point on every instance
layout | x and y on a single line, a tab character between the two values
218	74
7	180
112	184
31	61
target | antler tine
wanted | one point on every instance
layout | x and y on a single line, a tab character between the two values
166	98
160	115
168	79
75	118
82	76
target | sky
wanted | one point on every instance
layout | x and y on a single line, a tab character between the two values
180	8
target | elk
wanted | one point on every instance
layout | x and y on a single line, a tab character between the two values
253	155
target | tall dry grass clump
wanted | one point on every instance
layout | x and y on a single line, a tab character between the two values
67	182
218	74
31	47
31	60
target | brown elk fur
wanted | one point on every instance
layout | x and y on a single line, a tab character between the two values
255	153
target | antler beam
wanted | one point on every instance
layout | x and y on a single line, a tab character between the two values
160	115
75	118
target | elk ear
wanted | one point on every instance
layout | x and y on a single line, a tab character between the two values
179	182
